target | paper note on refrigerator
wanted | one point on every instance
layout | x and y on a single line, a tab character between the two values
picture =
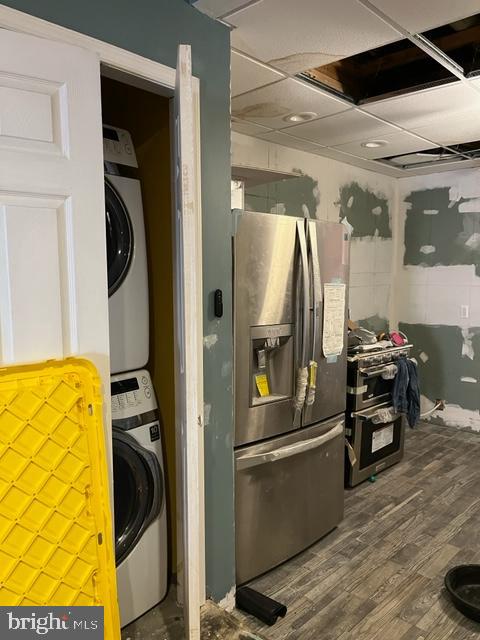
333	319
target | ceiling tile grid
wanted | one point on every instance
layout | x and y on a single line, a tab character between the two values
271	105
218	8
395	144
248	128
275	39
415	16
342	128
422	108
290	141
294	36
248	74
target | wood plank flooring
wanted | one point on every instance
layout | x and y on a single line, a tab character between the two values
379	575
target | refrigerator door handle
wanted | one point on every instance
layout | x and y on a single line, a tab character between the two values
316	303
246	462
302	373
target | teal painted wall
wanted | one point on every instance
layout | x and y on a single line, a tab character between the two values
154	28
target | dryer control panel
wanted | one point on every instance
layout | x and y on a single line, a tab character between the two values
132	394
118	146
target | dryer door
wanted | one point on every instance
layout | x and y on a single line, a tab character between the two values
119	238
138	491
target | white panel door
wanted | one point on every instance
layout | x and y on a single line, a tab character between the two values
53	280
189	365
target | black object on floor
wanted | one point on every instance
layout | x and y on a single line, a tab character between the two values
260	606
463	585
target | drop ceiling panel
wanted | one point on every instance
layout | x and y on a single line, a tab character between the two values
450	166
269	106
247	74
370	165
342	128
452	130
289	141
397	143
420	16
302	34
247	128
217	8
424	108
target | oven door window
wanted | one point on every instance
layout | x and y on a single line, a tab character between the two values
379	441
375	385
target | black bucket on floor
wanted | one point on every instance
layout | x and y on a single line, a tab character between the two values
260	606
463	585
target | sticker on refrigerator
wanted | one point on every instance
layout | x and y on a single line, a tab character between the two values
382	438
261	381
333	319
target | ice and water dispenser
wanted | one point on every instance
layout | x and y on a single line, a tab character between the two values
271	363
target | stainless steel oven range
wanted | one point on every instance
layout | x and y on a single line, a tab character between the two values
365	383
375	434
376	437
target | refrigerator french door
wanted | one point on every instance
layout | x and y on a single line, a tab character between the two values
289	385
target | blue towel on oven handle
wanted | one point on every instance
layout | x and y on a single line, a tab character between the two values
406	391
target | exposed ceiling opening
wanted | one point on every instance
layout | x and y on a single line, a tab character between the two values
461	42
401	66
436	156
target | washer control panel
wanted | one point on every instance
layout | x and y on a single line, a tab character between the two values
132	394
118	146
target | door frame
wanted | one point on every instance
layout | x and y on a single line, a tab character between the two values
157	77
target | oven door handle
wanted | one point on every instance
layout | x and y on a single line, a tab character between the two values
372	415
370	373
281	453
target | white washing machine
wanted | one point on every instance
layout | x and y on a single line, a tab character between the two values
139	495
126	253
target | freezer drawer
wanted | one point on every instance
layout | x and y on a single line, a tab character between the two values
289	493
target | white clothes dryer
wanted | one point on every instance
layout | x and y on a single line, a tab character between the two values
139	496
126	254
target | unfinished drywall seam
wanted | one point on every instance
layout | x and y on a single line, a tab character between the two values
397	233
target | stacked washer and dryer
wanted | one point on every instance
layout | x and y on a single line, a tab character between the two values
138	462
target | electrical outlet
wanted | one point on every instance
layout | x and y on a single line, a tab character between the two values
441	404
464	311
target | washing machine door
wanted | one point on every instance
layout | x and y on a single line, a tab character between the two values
119	238
138	491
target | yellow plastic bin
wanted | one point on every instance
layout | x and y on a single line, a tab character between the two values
56	545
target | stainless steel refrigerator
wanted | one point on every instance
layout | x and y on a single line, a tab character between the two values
290	325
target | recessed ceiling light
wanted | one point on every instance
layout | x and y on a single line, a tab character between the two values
303	116
374	144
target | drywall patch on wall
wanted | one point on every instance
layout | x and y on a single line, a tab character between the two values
293	196
455	416
450	237
210	340
366	211
452	369
451	416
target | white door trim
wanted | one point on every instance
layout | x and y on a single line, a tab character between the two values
159	74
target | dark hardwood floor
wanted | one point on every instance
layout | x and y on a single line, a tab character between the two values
379	575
